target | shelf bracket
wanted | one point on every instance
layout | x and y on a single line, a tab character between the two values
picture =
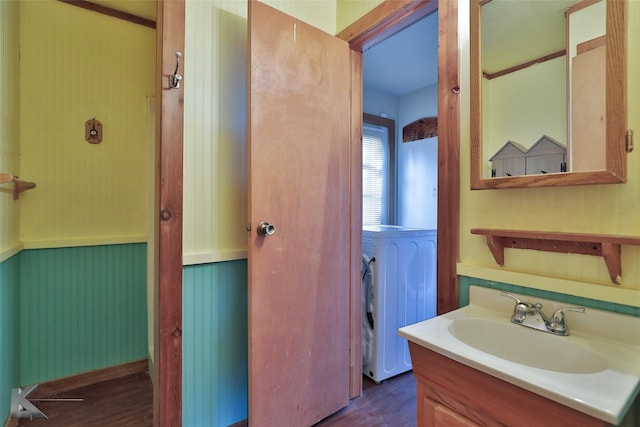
612	257
496	246
19	185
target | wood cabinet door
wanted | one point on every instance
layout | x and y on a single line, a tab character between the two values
299	182
441	416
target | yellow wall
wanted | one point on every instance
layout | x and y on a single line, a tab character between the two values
523	107
350	11
9	130
586	24
76	65
215	189
603	209
215	110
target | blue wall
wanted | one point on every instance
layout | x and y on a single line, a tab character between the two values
417	172
9	277
65	311
215	352
80	309
416	162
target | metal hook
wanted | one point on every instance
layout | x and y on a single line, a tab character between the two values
93	132
174	80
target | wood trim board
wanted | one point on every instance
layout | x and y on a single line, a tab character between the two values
111	12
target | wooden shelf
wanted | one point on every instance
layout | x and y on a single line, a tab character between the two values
19	185
604	245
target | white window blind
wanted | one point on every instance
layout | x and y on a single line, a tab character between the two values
375	170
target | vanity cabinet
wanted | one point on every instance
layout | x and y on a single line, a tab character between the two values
438	415
451	394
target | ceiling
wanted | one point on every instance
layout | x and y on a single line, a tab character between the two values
405	62
515	32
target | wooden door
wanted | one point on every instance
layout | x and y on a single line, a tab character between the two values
299	181
588	103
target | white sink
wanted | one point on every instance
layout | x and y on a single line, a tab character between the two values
527	346
595	370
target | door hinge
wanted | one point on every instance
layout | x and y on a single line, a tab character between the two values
629	141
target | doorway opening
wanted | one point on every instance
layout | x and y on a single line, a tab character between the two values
400	194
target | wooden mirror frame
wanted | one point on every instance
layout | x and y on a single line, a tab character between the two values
616	110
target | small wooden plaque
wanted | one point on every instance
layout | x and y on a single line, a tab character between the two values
93	131
426	127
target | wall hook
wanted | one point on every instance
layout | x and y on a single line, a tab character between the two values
174	80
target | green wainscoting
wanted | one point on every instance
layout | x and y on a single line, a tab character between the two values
8	333
80	309
214	373
465	282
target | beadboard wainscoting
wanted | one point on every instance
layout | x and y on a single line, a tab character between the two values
8	332
81	309
214	359
465	282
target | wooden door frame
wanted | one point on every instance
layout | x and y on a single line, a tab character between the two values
167	247
388	18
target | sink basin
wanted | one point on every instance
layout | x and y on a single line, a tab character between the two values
596	370
526	346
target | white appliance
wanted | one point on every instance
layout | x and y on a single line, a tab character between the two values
398	289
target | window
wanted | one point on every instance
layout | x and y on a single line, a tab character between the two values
378	170
375	161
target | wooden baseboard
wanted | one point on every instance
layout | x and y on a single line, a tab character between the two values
62	385
11	422
243	423
73	382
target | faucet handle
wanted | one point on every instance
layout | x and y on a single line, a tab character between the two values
521	308
557	323
513	297
559	313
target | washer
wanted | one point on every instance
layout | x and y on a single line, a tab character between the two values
398	289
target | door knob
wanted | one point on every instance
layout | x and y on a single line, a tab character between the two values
265	229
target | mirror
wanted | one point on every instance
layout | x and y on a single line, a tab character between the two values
524	109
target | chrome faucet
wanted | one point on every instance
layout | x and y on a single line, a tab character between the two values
531	315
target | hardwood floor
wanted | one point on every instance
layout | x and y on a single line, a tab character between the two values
128	402
117	403
389	404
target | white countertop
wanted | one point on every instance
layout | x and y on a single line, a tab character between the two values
605	395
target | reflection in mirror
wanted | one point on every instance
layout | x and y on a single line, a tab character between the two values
544	109
586	91
524	114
